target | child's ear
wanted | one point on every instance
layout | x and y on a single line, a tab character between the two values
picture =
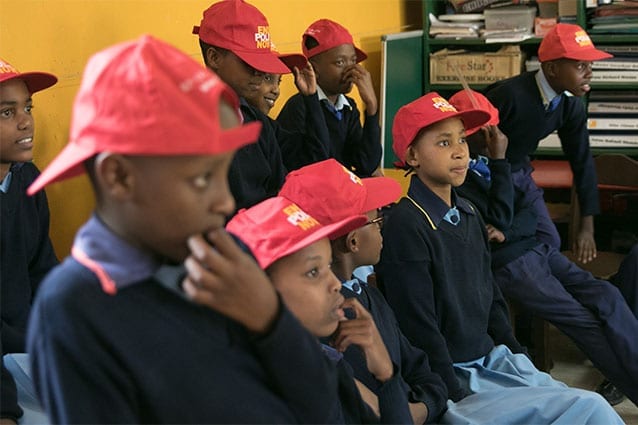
410	157
213	57
114	174
352	241
551	69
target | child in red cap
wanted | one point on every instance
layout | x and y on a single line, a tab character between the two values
113	336
25	248
534	104
330	192
435	272
236	44
590	311
294	249
335	59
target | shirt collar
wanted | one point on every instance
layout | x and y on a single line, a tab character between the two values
355	285
6	182
546	91
121	262
341	100
431	205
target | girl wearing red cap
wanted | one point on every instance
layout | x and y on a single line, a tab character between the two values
435	269
25	248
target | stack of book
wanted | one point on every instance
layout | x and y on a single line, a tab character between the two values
619	17
462	25
613	118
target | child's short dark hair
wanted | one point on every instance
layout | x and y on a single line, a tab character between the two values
205	46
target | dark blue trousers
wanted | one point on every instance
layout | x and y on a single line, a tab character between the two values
627	279
533	195
591	312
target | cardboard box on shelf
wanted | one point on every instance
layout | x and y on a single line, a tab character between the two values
475	67
567	7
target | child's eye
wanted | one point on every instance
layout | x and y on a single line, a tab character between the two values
7	113
340	62
463	140
28	109
444	143
312	273
268	78
202	181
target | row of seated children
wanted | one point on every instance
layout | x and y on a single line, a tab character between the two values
126	331
317	123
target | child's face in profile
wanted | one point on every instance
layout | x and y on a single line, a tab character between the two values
170	198
331	66
571	75
266	95
243	78
16	122
309	288
440	155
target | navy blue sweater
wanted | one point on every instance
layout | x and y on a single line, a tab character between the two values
420	383
501	205
356	147
525	122
148	355
438	280
26	255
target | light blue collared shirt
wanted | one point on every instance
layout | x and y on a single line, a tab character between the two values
547	92
339	104
6	183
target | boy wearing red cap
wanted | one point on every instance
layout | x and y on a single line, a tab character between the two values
25	248
534	104
435	272
330	192
330	49
294	249
113	336
590	311
235	40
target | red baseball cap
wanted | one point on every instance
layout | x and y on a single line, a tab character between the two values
423	112
330	192
464	100
293	60
35	81
328	34
145	97
241	28
569	41
278	227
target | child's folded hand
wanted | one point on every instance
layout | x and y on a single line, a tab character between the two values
228	280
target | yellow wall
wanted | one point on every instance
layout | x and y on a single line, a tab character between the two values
58	36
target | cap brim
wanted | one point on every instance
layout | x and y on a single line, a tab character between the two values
474	118
68	163
265	62
590	55
35	81
361	55
292	60
381	191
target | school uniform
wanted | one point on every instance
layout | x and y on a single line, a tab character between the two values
419	382
356	147
627	279
125	348
527	115
590	311
436	276
26	256
391	395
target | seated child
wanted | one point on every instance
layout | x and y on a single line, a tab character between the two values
112	340
234	37
294	249
25	248
590	311
335	59
435	272
330	192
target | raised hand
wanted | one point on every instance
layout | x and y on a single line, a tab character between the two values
360	77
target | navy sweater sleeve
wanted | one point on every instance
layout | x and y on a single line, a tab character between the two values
303	133
9	408
362	148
